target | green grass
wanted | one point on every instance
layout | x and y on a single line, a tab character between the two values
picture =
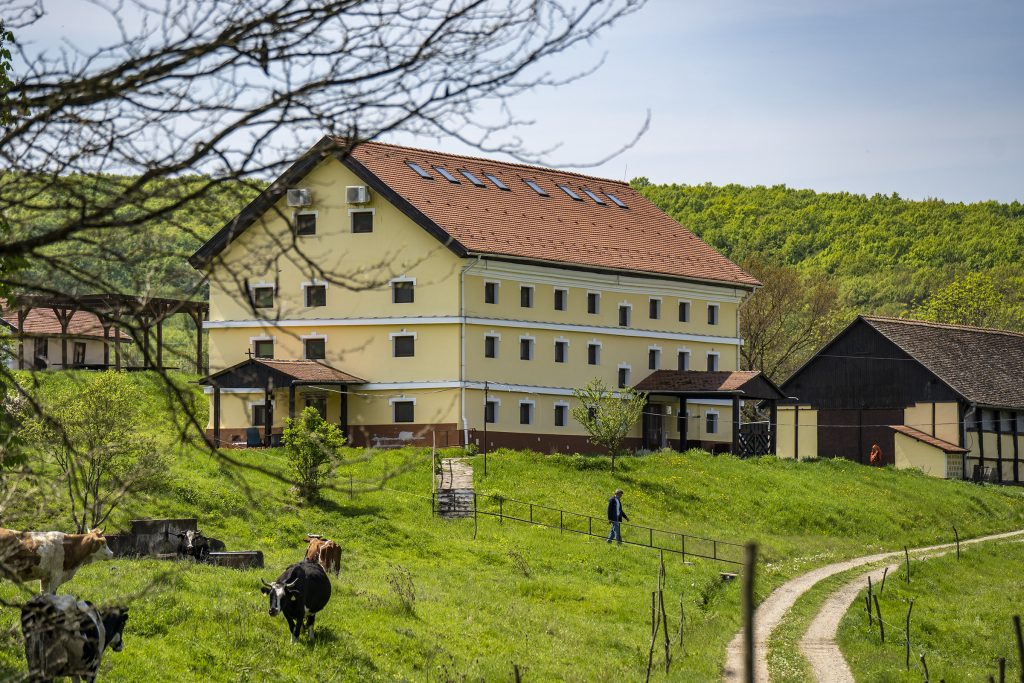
562	606
961	621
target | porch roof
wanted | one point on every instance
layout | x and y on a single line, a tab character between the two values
261	372
746	384
941	444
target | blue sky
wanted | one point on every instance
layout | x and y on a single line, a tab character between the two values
920	98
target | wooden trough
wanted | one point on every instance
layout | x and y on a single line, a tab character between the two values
238	559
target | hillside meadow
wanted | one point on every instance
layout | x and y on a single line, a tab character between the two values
419	598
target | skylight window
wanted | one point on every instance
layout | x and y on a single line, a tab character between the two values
497	182
535	187
566	189
618	202
595	197
446	175
471	178
419	170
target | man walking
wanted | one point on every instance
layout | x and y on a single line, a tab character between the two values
615	515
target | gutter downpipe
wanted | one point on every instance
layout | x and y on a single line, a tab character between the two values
462	348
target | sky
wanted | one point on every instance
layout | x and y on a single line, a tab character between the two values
921	98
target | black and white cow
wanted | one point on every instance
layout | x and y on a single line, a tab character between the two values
301	591
67	637
196	545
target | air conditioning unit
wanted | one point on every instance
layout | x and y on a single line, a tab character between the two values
357	194
300	197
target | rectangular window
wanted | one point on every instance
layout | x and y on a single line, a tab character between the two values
683	361
591	413
402	292
263	348
712	362
623	378
654	309
593	354
561	299
623	316
317	402
490	292
711	423
561	413
593	303
405	346
561	351
490	347
316	349
41	348
526	296
712	314
525	413
362	221
305	224
491	412
653	359
78	353
259	414
525	349
263	297
404	411
684	311
316	295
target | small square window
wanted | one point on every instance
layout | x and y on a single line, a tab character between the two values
263	297
712	362
711	423
560	415
316	349
684	361
305	224
526	296
316	295
654	309
561	351
490	347
402	292
593	354
624	316
684	311
362	221
263	348
525	413
525	349
491	412
712	314
404	411
490	292
561	297
405	346
593	303
653	359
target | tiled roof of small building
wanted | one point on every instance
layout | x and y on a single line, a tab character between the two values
43	322
751	384
941	444
309	371
985	366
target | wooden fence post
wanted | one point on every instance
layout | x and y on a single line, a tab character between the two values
957	535
1020	645
885	572
881	624
909	610
906	554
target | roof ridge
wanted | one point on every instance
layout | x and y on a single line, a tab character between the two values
930	323
486	160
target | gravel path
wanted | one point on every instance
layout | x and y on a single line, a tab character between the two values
771	611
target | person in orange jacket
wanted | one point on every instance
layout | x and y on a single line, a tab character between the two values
875	458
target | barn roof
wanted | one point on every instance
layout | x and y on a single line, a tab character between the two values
587	229
747	384
985	366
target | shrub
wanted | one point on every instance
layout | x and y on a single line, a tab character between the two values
312	445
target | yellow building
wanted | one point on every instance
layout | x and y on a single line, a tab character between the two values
945	399
413	295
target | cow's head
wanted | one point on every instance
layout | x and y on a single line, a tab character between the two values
191	539
279	593
114	620
96	545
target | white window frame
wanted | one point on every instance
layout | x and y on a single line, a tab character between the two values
497	291
689	357
497	344
600	346
262	285
629	314
689	310
718	361
565	298
533	411
533	346
252	412
718	422
629	375
307	337
393	335
557	405
718	314
403	278
566	342
497	410
402	399
657	350
303	212
533	295
598	295
372	212
661	310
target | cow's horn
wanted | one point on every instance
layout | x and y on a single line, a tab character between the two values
265	583
291	583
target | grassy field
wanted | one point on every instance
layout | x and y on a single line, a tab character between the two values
563	607
961	621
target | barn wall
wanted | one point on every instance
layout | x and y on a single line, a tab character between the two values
913	454
942	423
808	441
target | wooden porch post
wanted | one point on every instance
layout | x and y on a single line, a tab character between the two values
736	425
343	417
64	318
22	314
160	342
106	345
684	424
773	426
117	348
796	432
144	328
268	411
291	401
197	317
216	416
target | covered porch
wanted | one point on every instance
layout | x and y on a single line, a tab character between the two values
270	378
755	437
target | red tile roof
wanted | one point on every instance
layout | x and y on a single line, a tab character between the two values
522	224
43	321
942	445
750	384
309	371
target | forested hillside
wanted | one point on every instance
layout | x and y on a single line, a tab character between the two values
885	254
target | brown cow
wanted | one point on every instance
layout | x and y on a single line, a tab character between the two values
53	557
324	552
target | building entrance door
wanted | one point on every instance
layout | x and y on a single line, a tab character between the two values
654	427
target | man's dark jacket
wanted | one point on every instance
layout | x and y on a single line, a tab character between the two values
612	504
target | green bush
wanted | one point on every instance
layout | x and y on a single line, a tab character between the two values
312	445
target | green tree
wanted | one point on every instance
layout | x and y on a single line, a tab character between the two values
973	299
312	445
6	108
608	416
89	428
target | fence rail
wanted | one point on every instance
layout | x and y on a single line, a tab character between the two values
685	545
